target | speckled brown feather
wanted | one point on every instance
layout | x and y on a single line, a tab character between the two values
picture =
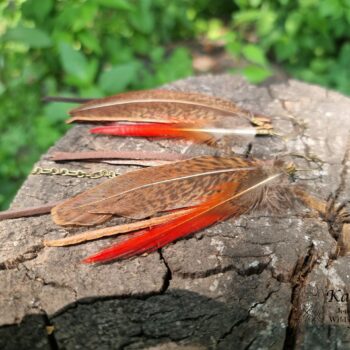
160	106
260	185
144	192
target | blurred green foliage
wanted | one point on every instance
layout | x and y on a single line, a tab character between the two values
86	48
309	38
93	48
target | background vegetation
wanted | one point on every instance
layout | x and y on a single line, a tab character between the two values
99	47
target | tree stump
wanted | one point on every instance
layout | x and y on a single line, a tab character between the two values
259	282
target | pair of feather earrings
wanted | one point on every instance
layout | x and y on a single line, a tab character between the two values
189	195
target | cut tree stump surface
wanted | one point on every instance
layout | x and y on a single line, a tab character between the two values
260	282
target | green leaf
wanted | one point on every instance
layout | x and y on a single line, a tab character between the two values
74	62
293	23
233	44
143	20
256	74
234	48
45	133
57	112
178	65
32	37
85	17
181	63
266	22
254	54
332	8
157	54
37	9
116	4
13	139
248	16
118	77
2	88
285	49
89	40
92	92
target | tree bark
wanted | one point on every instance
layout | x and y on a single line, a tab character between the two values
259	282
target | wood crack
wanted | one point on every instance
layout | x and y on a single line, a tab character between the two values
253	270
248	316
344	170
50	333
298	280
168	275
28	255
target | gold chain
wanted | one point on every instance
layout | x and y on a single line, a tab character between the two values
74	173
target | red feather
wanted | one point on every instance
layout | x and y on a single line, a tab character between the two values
161	130
147	241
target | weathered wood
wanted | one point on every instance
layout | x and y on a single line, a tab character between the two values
259	282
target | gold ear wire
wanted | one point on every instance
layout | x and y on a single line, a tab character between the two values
310	158
291	168
301	169
297	123
267	132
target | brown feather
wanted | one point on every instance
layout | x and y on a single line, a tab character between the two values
161	106
261	187
144	192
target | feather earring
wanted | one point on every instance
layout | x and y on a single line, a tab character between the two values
171	114
207	189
